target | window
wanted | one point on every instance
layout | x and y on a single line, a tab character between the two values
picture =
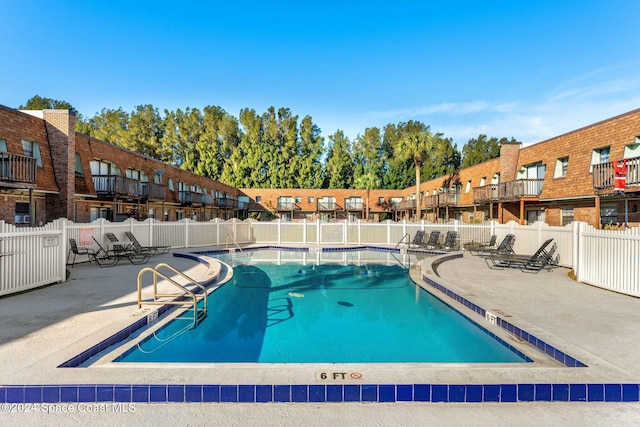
467	188
22	213
133	174
171	184
258	199
381	201
561	167
567	215
532	171
32	149
3	146
495	179
630	151
483	181
310	199
599	155
608	214
298	199
78	165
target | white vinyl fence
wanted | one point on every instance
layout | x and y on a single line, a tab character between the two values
32	257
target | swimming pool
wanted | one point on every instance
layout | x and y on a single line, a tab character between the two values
342	307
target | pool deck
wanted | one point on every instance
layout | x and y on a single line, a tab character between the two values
48	326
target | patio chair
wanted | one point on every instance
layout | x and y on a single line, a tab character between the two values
530	263
450	241
434	240
475	248
75	250
119	253
505	247
155	250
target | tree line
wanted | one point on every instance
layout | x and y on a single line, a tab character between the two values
278	149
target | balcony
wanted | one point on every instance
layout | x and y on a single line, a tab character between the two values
190	198
153	191
442	200
17	171
508	191
603	174
227	203
209	200
353	205
112	185
287	206
404	205
328	206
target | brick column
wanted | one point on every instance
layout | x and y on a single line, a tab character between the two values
509	152
60	127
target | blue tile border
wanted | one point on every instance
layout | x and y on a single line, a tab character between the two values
319	393
534	341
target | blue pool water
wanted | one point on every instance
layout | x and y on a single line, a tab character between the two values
300	313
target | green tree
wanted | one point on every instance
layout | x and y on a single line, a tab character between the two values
481	149
145	132
339	166
367	181
248	165
109	125
40	103
180	138
369	155
308	161
415	143
220	137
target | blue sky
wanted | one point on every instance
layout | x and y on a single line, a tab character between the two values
528	69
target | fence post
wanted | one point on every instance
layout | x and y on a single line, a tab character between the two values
151	221
578	230
186	232
217	220
344	232
62	226
318	239
278	228
304	231
359	231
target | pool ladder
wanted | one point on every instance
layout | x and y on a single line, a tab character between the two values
187	297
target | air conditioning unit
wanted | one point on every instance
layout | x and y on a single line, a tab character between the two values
22	219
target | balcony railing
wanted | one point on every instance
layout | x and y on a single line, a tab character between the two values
603	174
209	200
442	200
404	205
328	206
15	168
190	198
110	185
353	205
510	190
153	191
287	206
227	203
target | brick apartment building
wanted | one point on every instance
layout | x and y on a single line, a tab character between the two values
48	171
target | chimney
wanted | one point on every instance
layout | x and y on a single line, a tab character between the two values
60	128
509	152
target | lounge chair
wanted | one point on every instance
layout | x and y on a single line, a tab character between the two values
116	245
505	247
542	258
434	240
155	250
475	248
450	241
119	252
418	239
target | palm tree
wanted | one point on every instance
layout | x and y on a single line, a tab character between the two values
416	146
367	181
